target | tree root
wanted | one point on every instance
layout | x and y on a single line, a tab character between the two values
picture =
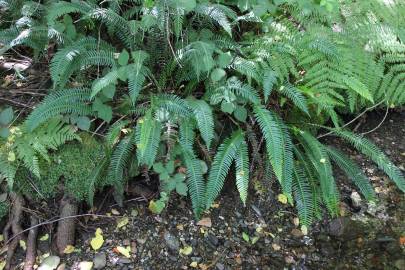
15	226
31	254
65	234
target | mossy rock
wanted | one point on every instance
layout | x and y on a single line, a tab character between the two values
69	170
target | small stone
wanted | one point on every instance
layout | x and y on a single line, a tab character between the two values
297	233
196	259
220	266
124	261
126	242
171	241
212	240
100	260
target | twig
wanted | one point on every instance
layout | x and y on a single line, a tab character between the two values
51	221
353	120
16	103
379	125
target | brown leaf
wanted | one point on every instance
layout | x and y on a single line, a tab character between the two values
206	222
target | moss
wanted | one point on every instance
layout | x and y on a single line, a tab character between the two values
4	208
69	170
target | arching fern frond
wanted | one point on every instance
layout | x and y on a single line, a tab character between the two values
203	116
242	171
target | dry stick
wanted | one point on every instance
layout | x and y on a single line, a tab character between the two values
31	254
354	119
50	221
379	125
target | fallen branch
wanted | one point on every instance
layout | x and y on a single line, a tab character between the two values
31	254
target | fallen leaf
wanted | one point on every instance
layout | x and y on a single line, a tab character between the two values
122	222
276	247
50	263
282	198
69	249
206	222
44	237
255	239
194	264
402	240
296	221
180	227
215	205
304	230
98	239
2	265
187	250
85	265
203	266
124	251
1	238
115	212
245	237
23	244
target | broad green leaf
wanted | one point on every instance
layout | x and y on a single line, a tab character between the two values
217	74
123	58
227	107
240	113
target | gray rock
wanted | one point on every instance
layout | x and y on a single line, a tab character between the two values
124	261
346	229
171	241
100	260
196	259
212	240
220	266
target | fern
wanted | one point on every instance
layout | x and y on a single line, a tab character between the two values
68	101
376	155
203	116
147	137
226	153
353	172
303	196
242	171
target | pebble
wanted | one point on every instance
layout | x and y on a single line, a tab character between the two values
212	240
171	241
100	260
124	261
220	266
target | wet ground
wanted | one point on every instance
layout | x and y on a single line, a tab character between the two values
265	233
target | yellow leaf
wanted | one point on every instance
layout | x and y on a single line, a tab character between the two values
124	251
322	160
186	250
122	222
180	227
2	265
215	205
1	238
115	212
44	237
98	240
85	265
203	266
282	198
304	230
194	264
11	156
69	249
23	245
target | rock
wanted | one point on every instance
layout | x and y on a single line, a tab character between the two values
196	259
171	241
206	222
346	229
297	233
400	264
100	260
212	240
219	266
124	261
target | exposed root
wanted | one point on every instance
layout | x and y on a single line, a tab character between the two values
66	227
31	245
15	226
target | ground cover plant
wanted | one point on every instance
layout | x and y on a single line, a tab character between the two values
190	93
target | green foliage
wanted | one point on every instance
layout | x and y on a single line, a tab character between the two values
179	83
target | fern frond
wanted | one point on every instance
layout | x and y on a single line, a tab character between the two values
352	171
370	150
147	137
278	146
195	181
296	97
226	153
203	116
242	171
303	196
68	101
